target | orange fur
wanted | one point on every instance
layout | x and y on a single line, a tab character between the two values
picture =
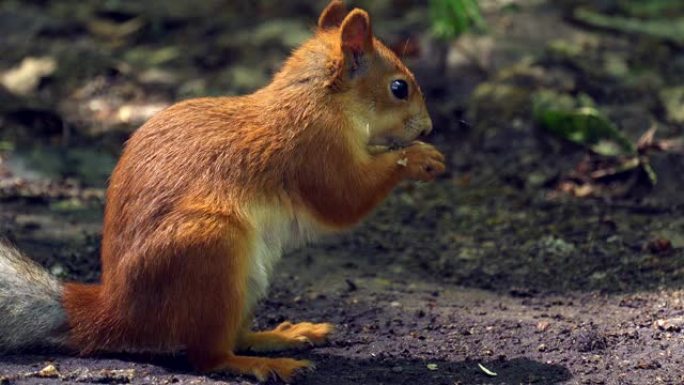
180	234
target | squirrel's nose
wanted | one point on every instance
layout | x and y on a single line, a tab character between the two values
427	129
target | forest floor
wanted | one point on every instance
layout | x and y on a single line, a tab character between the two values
513	261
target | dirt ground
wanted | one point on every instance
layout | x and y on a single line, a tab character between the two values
497	265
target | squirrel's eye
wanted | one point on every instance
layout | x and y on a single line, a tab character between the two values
400	89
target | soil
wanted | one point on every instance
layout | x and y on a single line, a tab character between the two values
495	267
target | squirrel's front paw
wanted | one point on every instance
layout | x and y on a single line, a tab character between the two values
421	161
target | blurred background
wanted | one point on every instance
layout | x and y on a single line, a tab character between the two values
548	100
561	120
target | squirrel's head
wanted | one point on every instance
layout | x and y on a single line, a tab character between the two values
381	97
362	79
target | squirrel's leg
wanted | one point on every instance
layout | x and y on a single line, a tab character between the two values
218	274
285	336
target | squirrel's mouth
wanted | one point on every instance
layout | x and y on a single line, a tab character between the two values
392	145
399	137
387	143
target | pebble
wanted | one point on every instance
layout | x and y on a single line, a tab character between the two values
671	325
49	371
648	364
543	325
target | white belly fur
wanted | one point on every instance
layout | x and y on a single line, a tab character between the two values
276	230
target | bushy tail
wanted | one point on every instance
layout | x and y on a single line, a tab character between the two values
31	311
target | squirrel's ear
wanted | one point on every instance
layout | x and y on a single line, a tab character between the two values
356	37
332	15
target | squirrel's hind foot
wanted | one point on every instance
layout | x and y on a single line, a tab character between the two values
263	368
287	336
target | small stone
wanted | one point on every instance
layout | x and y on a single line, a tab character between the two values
541	348
543	325
395	304
670	325
57	270
49	371
648	364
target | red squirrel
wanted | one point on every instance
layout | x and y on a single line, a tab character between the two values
210	192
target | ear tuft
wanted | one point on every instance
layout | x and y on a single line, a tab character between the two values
356	32
332	15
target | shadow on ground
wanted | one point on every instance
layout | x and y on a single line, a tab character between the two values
329	369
